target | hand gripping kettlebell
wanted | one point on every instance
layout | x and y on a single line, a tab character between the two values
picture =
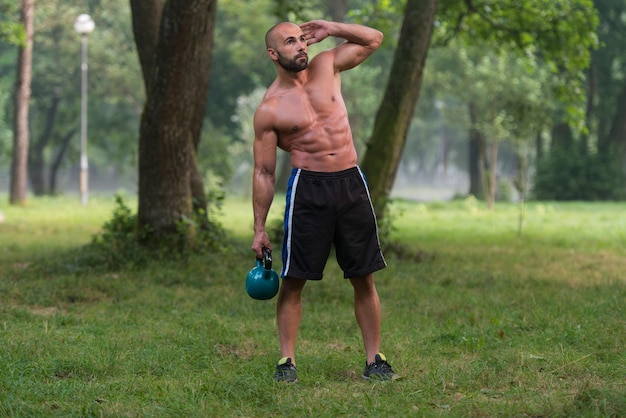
262	281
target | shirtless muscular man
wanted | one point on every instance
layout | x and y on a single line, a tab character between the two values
328	201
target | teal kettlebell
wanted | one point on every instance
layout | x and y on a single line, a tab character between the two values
262	282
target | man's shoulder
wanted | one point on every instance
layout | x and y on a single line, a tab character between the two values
326	56
274	94
269	101
266	110
323	62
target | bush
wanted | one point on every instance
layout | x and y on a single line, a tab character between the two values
122	243
570	174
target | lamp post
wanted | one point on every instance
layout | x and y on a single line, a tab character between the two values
83	25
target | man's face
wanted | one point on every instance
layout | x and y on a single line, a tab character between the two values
291	49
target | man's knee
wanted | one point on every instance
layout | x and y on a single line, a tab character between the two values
364	285
291	284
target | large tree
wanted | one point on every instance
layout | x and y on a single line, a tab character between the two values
395	113
174	39
21	135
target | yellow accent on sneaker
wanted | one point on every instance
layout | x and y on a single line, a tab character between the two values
286	371
379	369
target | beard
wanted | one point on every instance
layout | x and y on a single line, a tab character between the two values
293	65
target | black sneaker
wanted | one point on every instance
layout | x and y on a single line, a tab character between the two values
286	371
379	369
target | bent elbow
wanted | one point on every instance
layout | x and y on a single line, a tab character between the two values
378	39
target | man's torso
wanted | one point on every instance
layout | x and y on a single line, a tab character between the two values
311	121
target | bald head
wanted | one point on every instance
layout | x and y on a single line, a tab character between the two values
276	33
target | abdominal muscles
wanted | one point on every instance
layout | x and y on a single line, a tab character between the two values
318	137
321	149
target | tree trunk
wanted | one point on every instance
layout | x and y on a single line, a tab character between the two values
393	119
176	88
337	9
19	162
146	15
36	158
539	147
562	137
483	169
492	171
617	135
56	163
36	170
476	144
590	106
201	90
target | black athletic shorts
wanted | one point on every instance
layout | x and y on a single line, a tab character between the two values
325	209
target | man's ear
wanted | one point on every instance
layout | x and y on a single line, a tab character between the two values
272	53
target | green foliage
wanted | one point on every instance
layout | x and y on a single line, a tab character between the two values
214	155
240	63
11	31
508	91
362	93
240	150
290	10
122	244
573	174
387	228
118	243
115	90
508	95
382	15
560	33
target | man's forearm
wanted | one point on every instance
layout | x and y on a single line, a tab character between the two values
358	34
262	197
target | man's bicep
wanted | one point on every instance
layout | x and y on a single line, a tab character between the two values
264	146
348	55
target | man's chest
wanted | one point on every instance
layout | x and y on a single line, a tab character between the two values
302	109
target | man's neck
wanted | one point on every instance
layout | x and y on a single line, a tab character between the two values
291	79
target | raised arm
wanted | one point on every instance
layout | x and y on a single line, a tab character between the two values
361	41
263	177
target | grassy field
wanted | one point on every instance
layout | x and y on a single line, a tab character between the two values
488	323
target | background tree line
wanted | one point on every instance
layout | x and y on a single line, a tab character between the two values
521	96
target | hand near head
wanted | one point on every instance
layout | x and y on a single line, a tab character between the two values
315	31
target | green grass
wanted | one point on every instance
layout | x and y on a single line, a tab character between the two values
489	323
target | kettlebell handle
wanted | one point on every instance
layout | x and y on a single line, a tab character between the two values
267	258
